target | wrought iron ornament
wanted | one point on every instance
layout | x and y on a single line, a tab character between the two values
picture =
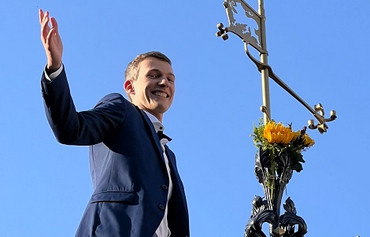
273	170
249	30
249	26
268	210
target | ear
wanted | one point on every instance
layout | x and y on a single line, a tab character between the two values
129	88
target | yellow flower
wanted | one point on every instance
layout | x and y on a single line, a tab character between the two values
308	141
278	133
296	135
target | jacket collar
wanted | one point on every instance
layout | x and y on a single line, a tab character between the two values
152	133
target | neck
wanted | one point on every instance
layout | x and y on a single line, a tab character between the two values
159	117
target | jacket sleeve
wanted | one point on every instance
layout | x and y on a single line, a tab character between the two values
80	128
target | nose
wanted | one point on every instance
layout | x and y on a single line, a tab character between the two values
163	81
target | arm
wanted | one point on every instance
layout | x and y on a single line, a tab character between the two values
80	128
68	125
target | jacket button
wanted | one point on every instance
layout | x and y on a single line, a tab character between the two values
161	206
164	187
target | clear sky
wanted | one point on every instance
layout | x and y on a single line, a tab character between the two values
319	48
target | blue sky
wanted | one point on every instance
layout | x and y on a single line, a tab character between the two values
320	49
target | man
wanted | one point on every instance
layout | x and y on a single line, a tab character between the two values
137	188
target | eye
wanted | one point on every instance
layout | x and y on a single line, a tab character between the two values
154	75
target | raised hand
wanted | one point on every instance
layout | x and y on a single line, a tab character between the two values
51	40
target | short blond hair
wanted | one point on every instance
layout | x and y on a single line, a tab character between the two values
131	71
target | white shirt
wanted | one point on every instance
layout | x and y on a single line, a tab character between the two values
163	229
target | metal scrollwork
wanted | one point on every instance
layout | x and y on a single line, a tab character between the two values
274	173
260	214
289	219
273	181
247	24
273	168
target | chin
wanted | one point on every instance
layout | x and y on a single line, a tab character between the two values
161	109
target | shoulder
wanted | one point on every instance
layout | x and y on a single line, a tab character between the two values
115	102
115	98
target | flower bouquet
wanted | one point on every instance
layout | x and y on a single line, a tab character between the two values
279	154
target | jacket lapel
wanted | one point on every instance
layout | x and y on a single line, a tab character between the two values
153	135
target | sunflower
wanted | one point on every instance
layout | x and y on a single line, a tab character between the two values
278	133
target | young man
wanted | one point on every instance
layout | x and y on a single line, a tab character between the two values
137	189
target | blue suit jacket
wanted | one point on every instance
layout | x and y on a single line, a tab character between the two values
127	166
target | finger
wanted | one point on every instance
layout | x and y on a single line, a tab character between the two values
45	26
53	37
41	16
49	37
45	16
55	27
54	24
45	19
51	33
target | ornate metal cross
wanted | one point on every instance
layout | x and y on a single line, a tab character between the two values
249	25
273	169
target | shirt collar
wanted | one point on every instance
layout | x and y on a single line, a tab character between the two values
158	126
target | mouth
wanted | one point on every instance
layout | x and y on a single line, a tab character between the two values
160	94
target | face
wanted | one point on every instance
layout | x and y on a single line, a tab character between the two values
154	88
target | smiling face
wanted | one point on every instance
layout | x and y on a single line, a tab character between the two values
154	88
